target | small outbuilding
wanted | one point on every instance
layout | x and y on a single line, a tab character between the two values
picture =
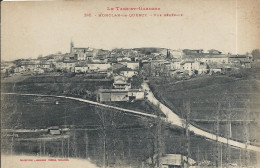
176	161
54	130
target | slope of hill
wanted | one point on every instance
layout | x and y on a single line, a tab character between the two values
237	97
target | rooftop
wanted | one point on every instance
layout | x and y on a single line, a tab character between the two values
118	90
112	91
188	61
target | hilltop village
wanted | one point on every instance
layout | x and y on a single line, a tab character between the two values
128	67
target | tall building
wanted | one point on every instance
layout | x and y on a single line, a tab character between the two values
71	46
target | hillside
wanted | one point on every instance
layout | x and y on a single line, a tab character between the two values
204	94
67	84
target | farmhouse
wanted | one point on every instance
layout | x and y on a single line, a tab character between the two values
120	82
107	95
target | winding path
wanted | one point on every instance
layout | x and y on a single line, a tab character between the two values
172	117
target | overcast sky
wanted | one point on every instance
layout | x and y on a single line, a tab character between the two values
33	28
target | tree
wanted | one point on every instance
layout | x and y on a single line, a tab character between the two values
109	121
136	82
256	54
156	134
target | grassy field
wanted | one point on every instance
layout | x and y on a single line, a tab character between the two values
31	112
204	94
57	85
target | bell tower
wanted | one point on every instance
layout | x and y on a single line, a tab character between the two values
71	46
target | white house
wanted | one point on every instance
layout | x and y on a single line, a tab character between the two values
189	65
133	65
194	67
176	64
120	82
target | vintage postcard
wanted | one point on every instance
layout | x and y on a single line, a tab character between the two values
130	84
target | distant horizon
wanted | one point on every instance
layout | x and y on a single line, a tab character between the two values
65	52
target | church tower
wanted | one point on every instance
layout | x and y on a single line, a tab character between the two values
71	46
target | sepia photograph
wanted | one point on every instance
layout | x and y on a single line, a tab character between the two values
130	84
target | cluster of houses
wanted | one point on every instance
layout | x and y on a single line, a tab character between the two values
195	62
121	65
148	61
